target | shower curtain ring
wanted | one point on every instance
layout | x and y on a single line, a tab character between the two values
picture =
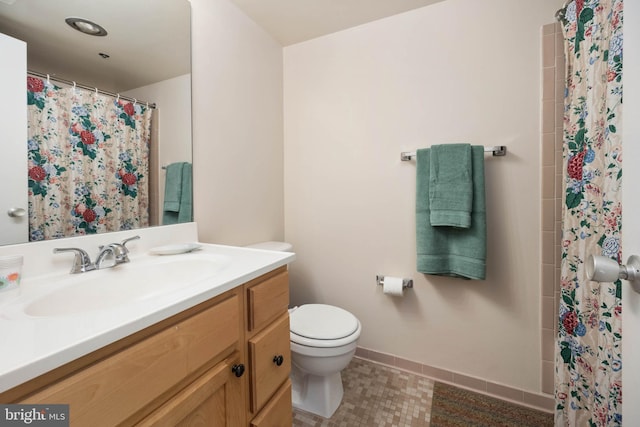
96	91
135	101
118	98
48	79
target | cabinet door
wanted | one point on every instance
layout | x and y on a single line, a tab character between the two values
13	125
214	399
278	412
270	354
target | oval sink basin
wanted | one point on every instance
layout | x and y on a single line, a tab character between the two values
125	283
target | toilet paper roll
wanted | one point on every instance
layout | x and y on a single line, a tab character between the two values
392	286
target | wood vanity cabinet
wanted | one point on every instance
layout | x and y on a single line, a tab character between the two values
269	351
206	366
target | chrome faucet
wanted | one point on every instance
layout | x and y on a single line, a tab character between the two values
105	251
82	261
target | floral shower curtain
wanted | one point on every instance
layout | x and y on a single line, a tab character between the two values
588	355
88	162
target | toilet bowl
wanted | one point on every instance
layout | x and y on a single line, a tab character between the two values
323	341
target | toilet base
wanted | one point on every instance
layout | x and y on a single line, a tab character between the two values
316	394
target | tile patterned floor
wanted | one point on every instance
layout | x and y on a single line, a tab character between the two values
376	396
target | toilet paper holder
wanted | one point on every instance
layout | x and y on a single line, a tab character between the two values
406	283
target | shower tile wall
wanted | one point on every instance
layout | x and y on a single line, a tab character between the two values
551	140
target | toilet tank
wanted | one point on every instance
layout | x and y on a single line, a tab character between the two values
273	246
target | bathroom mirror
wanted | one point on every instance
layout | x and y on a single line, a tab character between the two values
147	46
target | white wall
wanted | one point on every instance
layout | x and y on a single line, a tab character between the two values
631	213
237	126
456	71
173	115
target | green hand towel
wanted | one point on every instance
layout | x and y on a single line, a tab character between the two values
451	251
172	193
450	185
186	198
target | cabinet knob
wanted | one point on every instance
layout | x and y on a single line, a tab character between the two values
238	369
278	359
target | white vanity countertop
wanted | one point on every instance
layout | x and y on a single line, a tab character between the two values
34	345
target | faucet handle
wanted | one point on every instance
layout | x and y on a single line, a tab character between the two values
120	249
125	241
82	261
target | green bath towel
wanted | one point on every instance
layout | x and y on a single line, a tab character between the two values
178	205
450	185
451	251
186	199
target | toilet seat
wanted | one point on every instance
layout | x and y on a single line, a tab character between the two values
321	325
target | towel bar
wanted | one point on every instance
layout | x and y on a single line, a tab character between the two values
499	150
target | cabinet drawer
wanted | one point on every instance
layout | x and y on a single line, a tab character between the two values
111	391
277	413
267	300
268	348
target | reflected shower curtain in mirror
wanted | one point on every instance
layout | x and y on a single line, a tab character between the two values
88	162
588	386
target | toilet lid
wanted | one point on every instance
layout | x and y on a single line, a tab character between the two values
322	322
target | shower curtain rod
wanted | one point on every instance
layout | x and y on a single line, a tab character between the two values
85	87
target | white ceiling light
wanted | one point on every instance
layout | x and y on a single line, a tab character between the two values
85	26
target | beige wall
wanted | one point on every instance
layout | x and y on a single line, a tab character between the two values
237	126
352	102
173	118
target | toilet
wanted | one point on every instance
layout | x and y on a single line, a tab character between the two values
323	341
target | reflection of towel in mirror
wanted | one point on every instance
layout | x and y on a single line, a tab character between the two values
186	205
177	205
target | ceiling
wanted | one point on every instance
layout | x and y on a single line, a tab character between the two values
144	47
294	21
